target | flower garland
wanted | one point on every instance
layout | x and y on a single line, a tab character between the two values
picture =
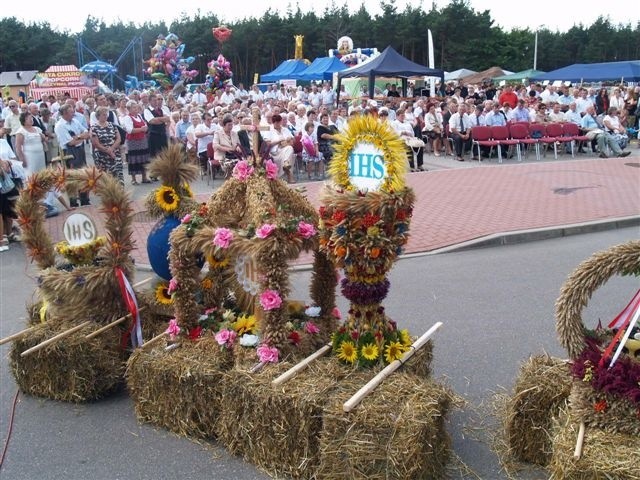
84	254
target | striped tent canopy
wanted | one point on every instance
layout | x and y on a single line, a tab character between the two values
62	79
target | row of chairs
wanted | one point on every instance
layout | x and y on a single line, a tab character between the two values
523	134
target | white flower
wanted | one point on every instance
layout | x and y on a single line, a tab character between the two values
312	312
203	318
229	316
248	340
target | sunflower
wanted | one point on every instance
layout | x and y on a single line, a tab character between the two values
215	263
245	324
162	294
404	337
393	351
167	198
347	352
369	351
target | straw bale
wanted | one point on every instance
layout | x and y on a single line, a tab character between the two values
278	429
542	389
397	432
620	414
605	455
179	390
72	369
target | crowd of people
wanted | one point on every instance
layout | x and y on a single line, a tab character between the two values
297	127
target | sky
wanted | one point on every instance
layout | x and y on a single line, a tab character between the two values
552	14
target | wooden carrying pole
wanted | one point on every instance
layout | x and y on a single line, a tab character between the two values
577	453
154	340
55	338
112	324
388	370
17	335
289	374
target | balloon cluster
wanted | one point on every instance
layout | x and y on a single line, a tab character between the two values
132	83
219	73
166	65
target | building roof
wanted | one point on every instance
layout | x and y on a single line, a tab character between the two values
17	79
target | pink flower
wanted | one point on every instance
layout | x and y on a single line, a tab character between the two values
336	313
270	300
267	354
173	330
222	237
242	170
173	286
186	218
306	230
226	337
311	328
209	311
265	230
272	169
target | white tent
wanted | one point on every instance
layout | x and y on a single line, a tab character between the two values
457	74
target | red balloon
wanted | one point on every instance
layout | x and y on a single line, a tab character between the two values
222	33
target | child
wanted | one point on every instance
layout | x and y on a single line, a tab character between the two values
310	153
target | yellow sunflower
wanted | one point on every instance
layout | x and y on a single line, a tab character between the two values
369	351
404	337
393	351
245	324
215	263
167	198
347	352
162	294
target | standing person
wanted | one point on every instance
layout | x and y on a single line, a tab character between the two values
602	102
204	133
433	128
158	118
12	123
325	135
7	207
137	143
71	136
30	145
106	141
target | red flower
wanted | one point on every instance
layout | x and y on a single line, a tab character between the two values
355	335
294	337
600	406
322	210
338	216
195	332
370	220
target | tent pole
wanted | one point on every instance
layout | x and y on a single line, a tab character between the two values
372	86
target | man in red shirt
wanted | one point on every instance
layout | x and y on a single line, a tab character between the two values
508	96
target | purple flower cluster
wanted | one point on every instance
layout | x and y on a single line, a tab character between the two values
364	293
621	380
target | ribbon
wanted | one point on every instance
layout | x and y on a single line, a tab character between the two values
43	311
130	301
624	322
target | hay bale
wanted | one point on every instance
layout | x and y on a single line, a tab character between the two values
278	429
605	455
397	432
72	369
179	390
542	388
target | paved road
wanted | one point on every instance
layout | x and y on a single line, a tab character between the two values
497	309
